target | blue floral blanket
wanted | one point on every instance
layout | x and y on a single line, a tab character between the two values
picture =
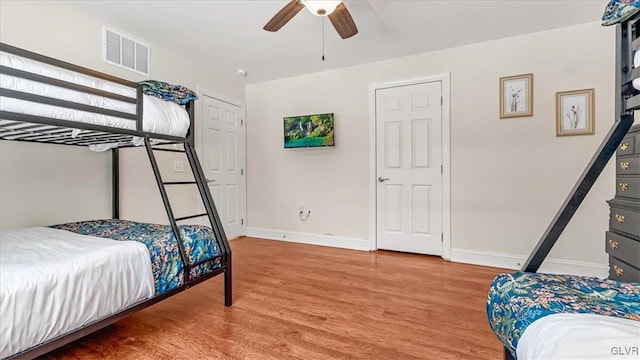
168	92
199	244
618	11
517	300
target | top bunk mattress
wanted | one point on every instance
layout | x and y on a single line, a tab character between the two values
159	117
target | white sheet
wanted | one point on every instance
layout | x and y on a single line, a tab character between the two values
54	281
580	337
636	63
159	116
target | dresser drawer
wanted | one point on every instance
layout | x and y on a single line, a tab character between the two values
628	186
625	220
627	146
623	248
621	271
627	165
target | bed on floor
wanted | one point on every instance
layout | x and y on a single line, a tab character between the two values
62	282
547	316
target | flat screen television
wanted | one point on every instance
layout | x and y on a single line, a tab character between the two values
308	131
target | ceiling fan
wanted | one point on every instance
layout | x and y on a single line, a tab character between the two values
335	10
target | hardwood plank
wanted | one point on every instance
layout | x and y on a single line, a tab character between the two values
294	301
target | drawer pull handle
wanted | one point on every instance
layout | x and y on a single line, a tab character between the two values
624	165
619	271
624	146
620	219
624	186
613	244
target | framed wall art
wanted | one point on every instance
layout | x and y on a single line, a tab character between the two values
575	112
516	96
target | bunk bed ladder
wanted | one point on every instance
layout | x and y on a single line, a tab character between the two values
167	206
210	211
214	218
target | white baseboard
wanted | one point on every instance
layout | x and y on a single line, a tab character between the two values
514	262
483	258
311	239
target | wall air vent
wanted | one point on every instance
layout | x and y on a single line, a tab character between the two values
123	51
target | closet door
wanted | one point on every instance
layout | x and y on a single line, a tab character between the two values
408	171
223	160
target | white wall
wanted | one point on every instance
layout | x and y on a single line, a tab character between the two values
41	194
508	177
57	30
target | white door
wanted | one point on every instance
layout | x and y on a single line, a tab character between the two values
408	169
222	144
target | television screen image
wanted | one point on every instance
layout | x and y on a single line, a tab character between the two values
308	131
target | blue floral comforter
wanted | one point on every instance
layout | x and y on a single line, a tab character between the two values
618	11
199	244
168	92
516	300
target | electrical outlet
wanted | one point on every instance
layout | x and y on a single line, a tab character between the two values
304	212
178	166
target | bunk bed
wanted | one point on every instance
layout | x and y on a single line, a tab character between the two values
545	316
62	282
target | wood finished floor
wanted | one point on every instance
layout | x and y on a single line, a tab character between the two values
294	301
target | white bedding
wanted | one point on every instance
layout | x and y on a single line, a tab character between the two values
580	337
54	281
636	63
159	116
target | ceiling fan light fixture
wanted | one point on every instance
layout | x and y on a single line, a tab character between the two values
321	7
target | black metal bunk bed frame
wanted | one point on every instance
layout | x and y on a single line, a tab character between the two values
626	101
23	127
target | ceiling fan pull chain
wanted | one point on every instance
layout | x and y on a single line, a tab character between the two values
323	39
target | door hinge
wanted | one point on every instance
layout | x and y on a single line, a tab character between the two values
241	171
442	237
241	221
441	100
441	169
241	122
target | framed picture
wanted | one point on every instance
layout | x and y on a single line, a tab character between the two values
516	96
575	112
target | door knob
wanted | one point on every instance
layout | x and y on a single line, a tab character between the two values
381	179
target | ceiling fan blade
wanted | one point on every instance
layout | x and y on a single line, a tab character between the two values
284	15
343	22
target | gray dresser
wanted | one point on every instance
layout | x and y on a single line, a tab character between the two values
623	238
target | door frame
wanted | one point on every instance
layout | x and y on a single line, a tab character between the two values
444	78
201	91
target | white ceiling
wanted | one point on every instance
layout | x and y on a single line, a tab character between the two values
229	35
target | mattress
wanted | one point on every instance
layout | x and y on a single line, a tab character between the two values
518	300
54	281
580	337
159	117
198	241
